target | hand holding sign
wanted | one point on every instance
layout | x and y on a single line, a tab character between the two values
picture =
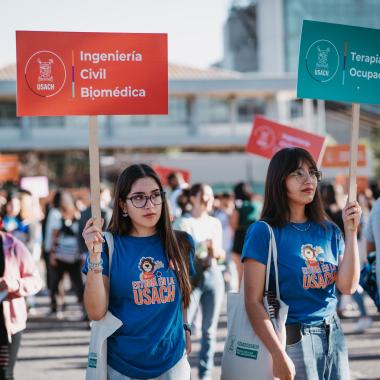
92	235
340	62
351	215
69	73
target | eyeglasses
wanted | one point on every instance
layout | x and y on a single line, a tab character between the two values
140	200
301	176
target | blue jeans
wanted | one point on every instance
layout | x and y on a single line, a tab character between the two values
321	354
209	296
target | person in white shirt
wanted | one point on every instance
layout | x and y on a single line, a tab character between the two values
208	284
372	234
177	184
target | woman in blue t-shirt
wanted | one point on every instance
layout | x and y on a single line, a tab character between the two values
149	285
313	259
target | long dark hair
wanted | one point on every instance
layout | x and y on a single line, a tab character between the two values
176	246
197	188
242	192
328	195
276	208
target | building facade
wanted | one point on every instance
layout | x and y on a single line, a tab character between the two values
210	111
264	35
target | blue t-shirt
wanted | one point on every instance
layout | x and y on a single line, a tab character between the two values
307	264
145	296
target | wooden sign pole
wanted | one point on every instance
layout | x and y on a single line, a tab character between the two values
93	134
352	188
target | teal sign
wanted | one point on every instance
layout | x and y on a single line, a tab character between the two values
339	62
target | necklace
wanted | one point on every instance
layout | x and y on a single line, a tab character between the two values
296	227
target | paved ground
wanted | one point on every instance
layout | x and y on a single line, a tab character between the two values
57	349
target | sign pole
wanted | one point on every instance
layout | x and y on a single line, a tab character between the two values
354	153
93	134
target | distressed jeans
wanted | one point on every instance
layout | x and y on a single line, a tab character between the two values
209	296
321	354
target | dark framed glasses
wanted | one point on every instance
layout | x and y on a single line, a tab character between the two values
140	200
301	175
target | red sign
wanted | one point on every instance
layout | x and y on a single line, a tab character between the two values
70	73
268	137
9	167
164	171
339	156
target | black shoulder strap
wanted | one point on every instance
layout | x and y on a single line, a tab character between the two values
1	246
62	224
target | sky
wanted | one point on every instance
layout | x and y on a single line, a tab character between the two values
194	27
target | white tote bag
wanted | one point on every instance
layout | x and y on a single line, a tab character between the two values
100	331
245	356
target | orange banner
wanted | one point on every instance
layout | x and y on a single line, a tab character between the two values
268	137
70	73
338	156
362	182
9	167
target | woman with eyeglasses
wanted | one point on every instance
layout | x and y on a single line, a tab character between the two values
313	260
149	290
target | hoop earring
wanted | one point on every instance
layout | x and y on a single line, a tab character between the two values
124	214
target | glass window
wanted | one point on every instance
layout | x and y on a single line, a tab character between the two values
77	121
120	120
162	120
47	121
8	116
296	109
177	110
139	120
212	110
350	12
248	108
217	110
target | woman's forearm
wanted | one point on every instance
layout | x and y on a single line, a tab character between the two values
96	295
263	327
349	267
184	315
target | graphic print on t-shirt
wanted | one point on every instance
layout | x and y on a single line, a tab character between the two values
148	266
153	286
317	274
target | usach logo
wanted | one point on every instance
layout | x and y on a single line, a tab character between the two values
322	60
265	137
45	73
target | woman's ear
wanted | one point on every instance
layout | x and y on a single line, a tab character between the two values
192	199
123	205
206	198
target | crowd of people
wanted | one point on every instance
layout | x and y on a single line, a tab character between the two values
177	252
